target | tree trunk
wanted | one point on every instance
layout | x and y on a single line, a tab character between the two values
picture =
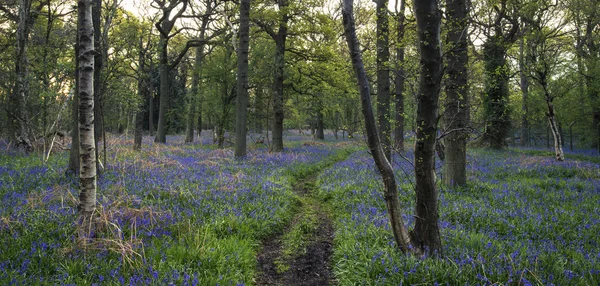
496	93
87	151
426	234
189	128
524	85
96	15
277	145
151	110
242	80
320	125
20	92
383	77
74	152
399	230
558	148
456	116
399	80
142	90
161	132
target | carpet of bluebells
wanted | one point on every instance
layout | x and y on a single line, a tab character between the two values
523	219
181	214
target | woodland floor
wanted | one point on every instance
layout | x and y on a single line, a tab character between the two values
310	267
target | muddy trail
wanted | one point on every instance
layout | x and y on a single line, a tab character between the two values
308	264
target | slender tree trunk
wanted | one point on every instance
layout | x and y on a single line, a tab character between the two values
74	153
96	15
242	80
399	80
426	234
161	132
87	150
278	115
383	76
524	85
191	118
142	90
151	109
456	116
399	230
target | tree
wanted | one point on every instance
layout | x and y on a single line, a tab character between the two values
242	80
501	34
87	150
524	86
383	76
164	25
456	115
20	92
401	235
425	237
280	38
399	81
544	57
196	71
426	234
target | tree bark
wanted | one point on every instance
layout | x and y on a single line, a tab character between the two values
426	234
98	64
399	230
558	149
142	91
161	132
399	79
383	76
87	150
242	80
320	125
191	118
278	112
20	92
456	116
74	152
496	92
524	85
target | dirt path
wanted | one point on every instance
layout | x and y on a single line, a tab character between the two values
312	267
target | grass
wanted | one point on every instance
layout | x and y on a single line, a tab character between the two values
192	215
171	214
521	220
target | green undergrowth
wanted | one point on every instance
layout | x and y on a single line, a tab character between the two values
169	215
521	220
308	208
300	234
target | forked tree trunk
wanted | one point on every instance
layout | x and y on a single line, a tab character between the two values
399	79
456	116
426	234
242	80
87	151
399	230
558	149
383	77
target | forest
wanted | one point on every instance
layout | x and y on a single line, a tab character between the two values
307	142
